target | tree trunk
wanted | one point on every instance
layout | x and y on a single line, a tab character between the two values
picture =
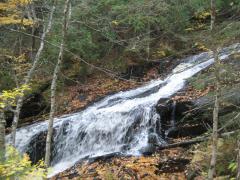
238	161
30	74
213	14
54	83
212	169
2	136
148	31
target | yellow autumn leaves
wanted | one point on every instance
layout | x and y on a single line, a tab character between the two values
14	20
20	166
8	98
200	21
13	4
11	13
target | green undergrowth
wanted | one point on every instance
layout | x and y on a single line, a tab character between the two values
226	158
229	119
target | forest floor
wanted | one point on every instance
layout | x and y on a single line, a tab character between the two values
165	164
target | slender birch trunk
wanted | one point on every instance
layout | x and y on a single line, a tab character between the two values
212	169
2	136
66	18
30	74
238	161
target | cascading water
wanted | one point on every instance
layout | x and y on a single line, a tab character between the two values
119	123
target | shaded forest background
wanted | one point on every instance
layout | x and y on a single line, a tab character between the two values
114	35
112	38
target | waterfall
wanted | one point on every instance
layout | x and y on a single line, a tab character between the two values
125	122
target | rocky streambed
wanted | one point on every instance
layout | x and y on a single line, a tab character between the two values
185	116
131	128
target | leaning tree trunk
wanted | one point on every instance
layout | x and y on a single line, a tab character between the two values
212	169
66	18
2	136
30	74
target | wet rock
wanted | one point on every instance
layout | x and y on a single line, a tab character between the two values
164	108
189	115
151	148
190	131
171	113
36	148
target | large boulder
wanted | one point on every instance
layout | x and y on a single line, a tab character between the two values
37	146
193	117
171	113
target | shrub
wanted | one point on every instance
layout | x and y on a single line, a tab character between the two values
20	166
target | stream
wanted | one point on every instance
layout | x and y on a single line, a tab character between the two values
120	123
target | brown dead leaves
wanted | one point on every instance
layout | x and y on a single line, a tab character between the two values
166	164
191	94
97	86
79	96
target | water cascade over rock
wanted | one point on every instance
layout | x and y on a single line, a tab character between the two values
126	122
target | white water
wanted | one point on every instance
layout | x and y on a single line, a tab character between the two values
118	123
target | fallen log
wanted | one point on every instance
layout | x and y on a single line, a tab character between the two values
193	141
